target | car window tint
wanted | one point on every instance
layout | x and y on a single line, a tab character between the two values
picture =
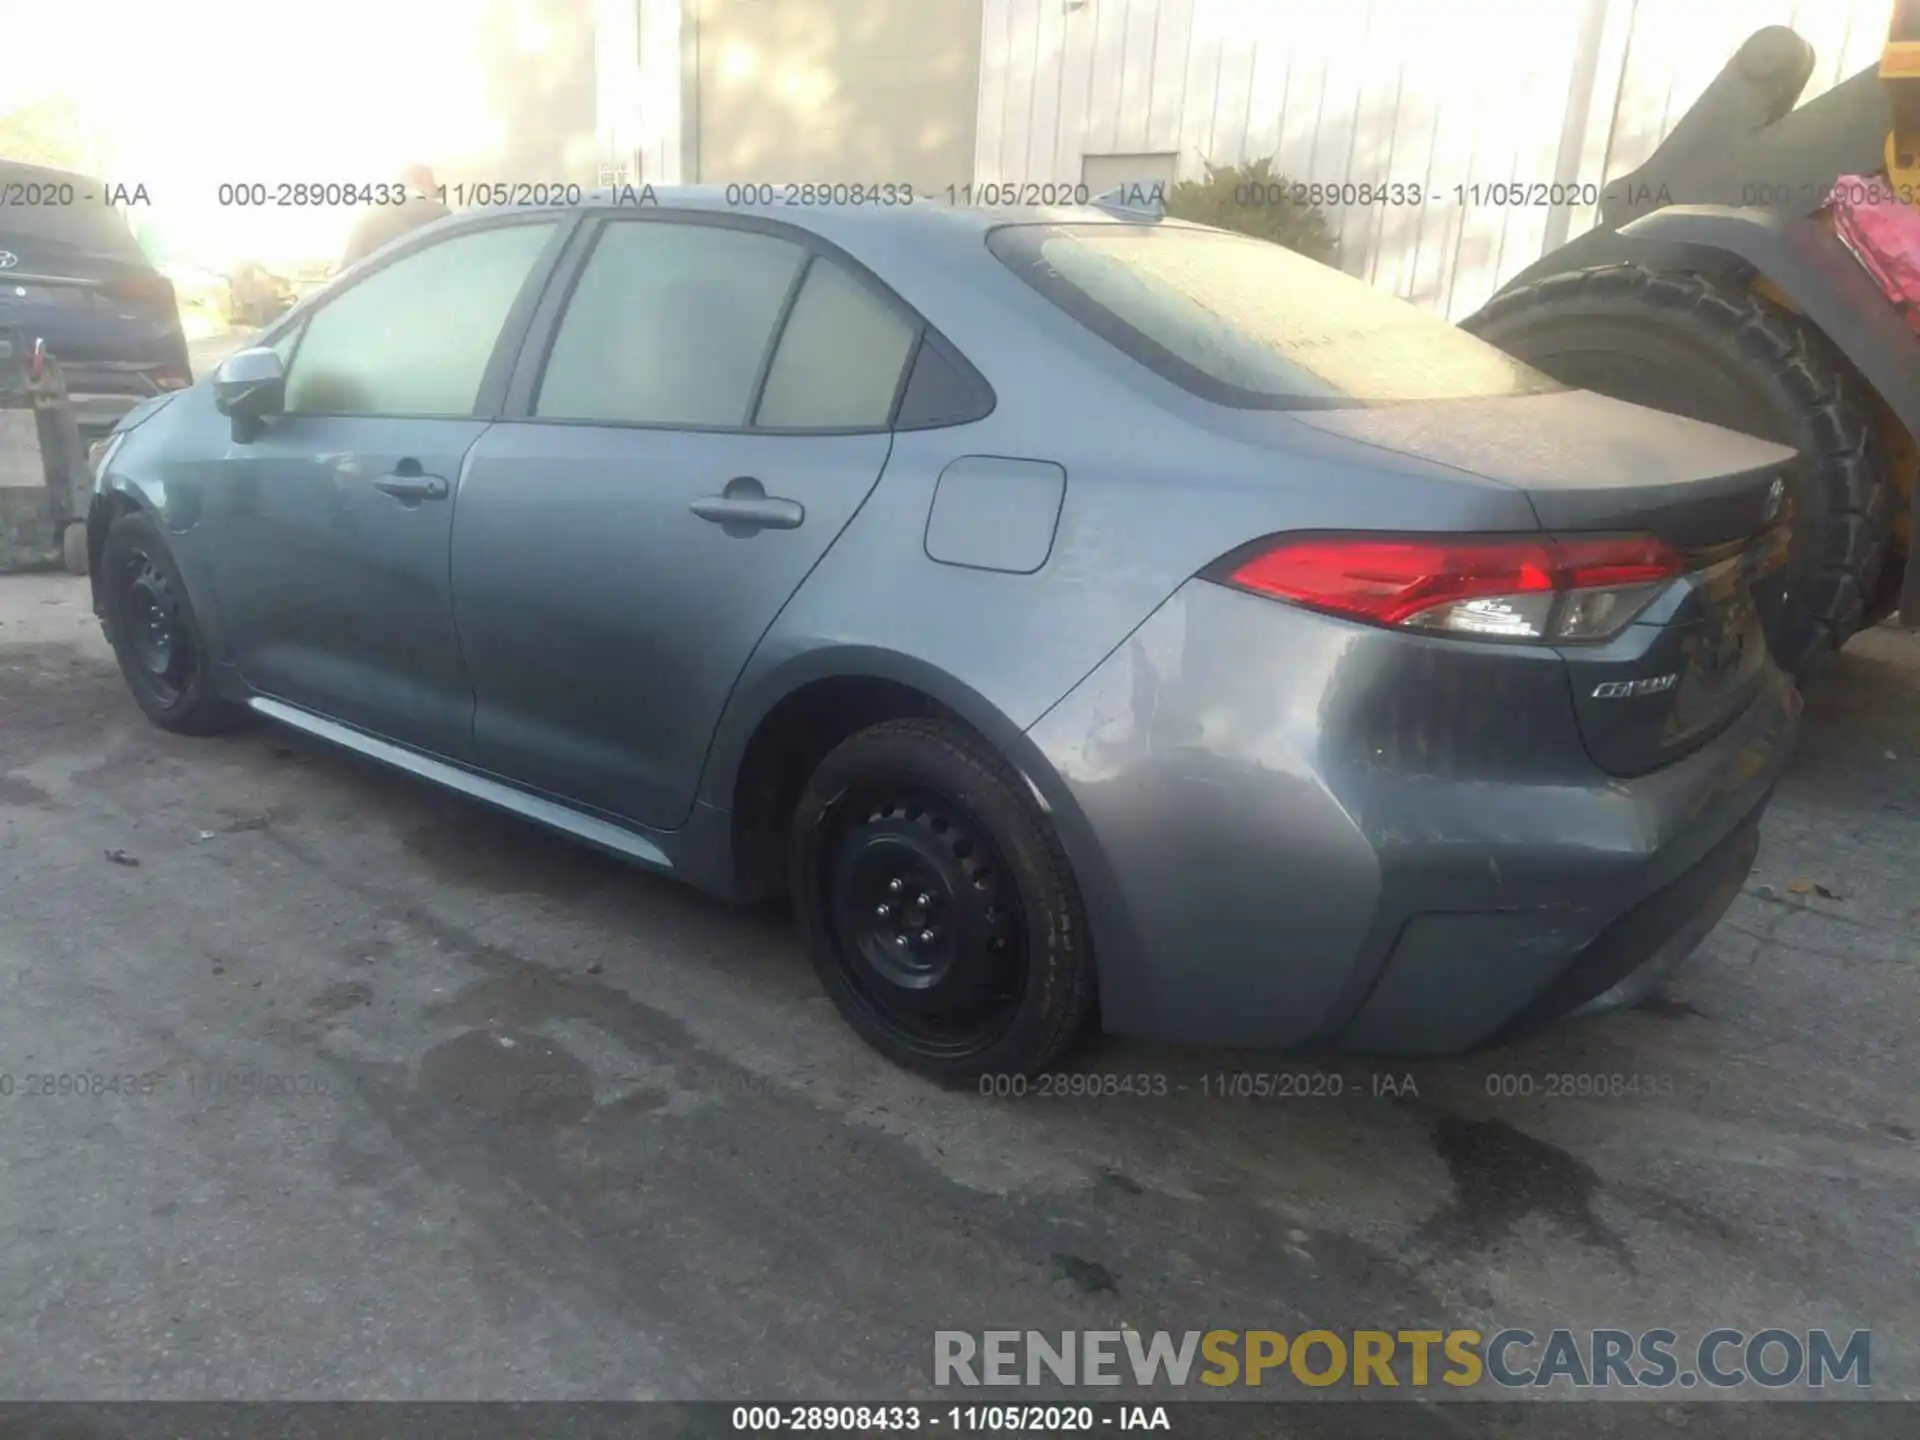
669	325
840	357
414	337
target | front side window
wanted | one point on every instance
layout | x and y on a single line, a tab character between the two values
1246	323
669	325
414	337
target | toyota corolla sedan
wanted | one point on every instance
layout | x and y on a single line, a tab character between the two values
1077	614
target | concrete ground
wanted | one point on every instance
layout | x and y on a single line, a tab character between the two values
546	1127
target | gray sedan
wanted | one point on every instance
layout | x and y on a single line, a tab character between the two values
1084	618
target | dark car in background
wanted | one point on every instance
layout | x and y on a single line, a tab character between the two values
72	274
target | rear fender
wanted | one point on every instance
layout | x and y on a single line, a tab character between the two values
1800	260
771	678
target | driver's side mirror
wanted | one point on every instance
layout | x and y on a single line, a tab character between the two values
248	387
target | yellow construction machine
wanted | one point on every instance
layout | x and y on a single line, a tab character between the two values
1717	285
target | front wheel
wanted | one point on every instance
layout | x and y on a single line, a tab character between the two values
937	906
155	635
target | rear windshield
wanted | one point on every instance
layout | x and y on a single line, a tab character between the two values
41	209
1242	322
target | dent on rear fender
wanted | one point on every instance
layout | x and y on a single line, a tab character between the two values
1224	875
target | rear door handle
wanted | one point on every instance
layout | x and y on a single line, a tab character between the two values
745	507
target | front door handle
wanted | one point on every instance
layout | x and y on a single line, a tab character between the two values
408	483
744	507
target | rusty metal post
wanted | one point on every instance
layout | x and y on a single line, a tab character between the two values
52	530
63	456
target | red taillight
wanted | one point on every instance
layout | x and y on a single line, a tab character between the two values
1578	587
1588	564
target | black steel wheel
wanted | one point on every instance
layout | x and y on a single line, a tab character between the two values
155	637
154	626
937	907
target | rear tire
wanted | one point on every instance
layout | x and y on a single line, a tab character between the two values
937	906
155	635
1711	351
1886	602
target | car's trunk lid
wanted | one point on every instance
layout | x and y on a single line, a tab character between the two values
1696	657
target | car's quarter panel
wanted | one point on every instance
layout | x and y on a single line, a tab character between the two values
1158	485
1247	885
603	621
335	594
1002	648
1131	530
1267	830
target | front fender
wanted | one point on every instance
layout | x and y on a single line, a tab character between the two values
114	495
136	479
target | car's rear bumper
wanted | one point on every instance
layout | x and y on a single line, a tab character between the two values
1294	831
108	357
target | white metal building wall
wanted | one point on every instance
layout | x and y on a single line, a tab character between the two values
638	88
1459	94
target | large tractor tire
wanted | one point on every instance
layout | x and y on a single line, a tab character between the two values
1714	351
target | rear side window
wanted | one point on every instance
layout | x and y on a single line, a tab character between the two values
669	324
841	356
414	337
1245	323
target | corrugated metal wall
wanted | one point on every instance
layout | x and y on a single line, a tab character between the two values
638	60
1469	93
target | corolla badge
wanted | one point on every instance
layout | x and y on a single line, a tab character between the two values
1776	499
1621	689
8	260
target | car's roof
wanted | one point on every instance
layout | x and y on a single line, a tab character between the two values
925	211
26	172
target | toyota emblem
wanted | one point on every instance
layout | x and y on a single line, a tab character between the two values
8	260
1776	499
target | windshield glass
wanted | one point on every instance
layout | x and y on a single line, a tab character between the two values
1246	323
